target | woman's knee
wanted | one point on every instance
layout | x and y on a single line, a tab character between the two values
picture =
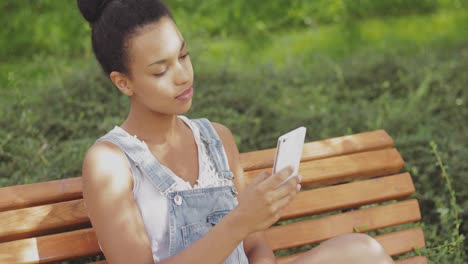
349	248
362	248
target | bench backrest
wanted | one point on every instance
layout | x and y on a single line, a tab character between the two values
350	184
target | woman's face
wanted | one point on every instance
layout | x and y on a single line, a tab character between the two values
161	73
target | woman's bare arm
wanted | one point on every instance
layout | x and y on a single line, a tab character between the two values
255	245
107	191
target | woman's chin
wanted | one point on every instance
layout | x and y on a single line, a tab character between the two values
185	107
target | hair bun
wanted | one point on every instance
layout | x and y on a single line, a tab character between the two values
92	9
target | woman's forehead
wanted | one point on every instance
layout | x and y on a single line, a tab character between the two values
157	41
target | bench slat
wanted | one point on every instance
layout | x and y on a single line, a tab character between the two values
320	229
28	195
403	241
41	220
83	243
345	168
330	170
394	243
50	248
361	142
316	230
349	195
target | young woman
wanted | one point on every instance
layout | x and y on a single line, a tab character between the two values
163	188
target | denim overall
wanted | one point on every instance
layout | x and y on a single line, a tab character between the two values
192	213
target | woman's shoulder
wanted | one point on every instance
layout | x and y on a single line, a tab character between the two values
105	150
229	143
222	130
104	162
102	151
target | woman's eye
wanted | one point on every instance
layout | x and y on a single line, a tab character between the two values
164	72
160	74
184	56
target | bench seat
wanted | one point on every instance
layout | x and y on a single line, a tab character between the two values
353	183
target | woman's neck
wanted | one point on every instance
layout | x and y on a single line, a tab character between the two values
152	127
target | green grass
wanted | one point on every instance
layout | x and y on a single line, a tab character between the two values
405	74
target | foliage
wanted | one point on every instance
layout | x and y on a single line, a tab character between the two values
349	66
59	29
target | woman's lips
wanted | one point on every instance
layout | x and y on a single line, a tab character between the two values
187	94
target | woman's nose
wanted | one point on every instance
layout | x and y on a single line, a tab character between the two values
182	74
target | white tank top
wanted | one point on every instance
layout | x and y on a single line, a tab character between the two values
153	205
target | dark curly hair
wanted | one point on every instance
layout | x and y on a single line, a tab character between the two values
113	22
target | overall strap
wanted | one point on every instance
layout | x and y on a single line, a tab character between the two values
215	147
141	156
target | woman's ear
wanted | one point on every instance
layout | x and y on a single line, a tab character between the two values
122	82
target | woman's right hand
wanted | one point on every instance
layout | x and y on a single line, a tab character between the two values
262	201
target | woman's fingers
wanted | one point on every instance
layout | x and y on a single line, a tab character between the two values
260	177
262	203
282	196
285	189
276	179
279	205
299	177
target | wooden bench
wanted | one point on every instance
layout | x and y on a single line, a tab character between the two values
350	184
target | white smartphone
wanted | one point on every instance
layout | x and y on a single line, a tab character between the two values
289	151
